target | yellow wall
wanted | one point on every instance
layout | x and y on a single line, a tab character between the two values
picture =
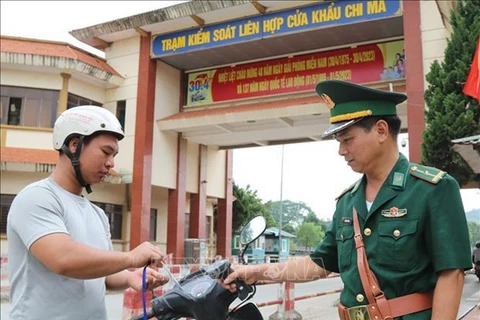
35	138
31	79
160	202
192	167
84	89
167	93
216	172
434	35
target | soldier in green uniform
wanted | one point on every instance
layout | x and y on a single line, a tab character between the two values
399	236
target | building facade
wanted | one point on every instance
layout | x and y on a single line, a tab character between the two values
194	81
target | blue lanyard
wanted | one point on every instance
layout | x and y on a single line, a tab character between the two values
144	290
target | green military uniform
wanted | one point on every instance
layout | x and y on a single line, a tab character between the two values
415	228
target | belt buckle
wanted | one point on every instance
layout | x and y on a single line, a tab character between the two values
359	313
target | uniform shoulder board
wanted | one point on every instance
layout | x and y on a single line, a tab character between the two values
429	174
353	186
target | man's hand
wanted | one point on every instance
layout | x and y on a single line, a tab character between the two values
146	254
153	277
249	274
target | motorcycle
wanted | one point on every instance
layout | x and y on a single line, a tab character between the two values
200	296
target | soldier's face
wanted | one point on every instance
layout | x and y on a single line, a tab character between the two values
360	148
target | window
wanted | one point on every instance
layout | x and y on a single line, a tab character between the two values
5	203
121	110
187	225
28	107
208	227
153	224
75	101
14	109
115	217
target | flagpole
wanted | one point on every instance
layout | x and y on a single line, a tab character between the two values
281	206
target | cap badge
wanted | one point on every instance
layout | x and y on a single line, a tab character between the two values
328	101
394	212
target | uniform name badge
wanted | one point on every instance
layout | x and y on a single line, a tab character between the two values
359	313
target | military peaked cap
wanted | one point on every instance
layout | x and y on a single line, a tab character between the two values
349	103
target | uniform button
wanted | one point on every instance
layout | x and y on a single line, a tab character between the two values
367	231
360	297
396	233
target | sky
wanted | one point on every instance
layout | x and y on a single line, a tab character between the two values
312	172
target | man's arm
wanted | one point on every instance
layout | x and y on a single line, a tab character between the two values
117	281
294	270
447	294
134	279
64	256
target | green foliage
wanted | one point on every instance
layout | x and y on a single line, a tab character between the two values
474	232
312	217
293	213
451	114
246	206
289	229
309	234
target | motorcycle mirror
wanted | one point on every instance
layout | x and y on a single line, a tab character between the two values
252	230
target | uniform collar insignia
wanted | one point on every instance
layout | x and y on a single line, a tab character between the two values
394	212
398	178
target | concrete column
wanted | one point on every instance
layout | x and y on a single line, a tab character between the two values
142	158
176	206
63	96
415	79
198	201
224	212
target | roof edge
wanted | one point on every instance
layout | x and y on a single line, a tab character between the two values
151	17
67	44
68	64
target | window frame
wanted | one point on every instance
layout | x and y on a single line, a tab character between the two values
114	216
42	103
5	203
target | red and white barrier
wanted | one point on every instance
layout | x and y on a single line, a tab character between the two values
132	300
5	284
286	303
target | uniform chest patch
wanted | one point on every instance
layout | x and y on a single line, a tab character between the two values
394	212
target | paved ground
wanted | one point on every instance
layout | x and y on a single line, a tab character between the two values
323	307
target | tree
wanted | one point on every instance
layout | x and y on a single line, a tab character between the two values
289	229
246	206
293	213
312	217
309	234
474	232
450	113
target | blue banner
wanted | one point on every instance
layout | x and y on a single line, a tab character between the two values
316	16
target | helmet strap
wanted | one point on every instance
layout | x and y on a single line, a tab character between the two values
75	159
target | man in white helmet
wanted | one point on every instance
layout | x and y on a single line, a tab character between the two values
61	259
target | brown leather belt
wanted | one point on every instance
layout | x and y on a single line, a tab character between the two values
400	306
379	308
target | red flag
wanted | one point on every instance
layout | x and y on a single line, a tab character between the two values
472	86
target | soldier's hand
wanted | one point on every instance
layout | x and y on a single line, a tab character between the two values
146	254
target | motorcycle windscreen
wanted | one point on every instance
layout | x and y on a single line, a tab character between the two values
247	312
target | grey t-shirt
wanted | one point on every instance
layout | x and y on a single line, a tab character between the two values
40	209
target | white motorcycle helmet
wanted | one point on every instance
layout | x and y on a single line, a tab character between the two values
83	121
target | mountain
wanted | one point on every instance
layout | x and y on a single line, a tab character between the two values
473	215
